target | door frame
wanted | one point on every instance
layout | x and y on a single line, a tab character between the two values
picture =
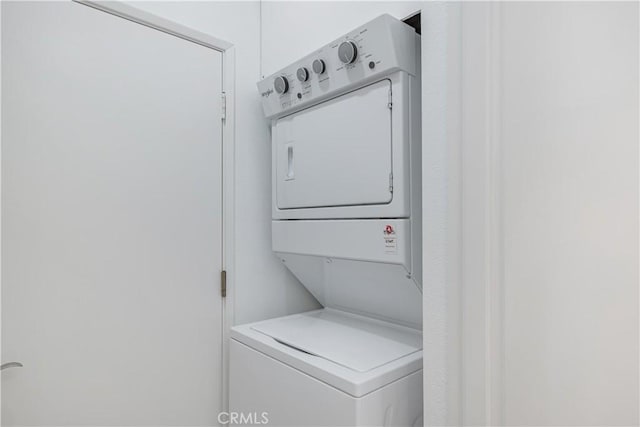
227	96
463	310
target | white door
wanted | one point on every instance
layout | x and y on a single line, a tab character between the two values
111	221
337	153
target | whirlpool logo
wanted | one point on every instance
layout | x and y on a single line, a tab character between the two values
267	93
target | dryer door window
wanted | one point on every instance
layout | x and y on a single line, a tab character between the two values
337	153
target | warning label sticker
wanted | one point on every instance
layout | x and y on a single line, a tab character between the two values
390	240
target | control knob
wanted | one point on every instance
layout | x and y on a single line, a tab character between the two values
347	52
281	84
318	66
303	74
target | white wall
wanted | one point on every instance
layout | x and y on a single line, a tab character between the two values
263	288
570	213
550	213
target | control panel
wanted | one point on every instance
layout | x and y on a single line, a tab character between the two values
377	48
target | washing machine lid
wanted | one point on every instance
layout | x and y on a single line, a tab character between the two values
355	342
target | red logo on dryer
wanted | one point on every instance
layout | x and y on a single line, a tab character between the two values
389	230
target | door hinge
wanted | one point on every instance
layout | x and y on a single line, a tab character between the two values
223	283
390	100
391	183
223	109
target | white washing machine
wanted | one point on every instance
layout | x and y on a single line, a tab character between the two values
327	368
346	216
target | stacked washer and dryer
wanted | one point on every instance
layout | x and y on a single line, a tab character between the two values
346	216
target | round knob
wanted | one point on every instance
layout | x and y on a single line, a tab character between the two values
281	84
318	66
303	74
347	52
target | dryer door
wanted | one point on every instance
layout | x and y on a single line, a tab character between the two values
337	153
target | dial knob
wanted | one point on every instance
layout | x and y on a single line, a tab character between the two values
318	66
347	52
303	74
281	84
